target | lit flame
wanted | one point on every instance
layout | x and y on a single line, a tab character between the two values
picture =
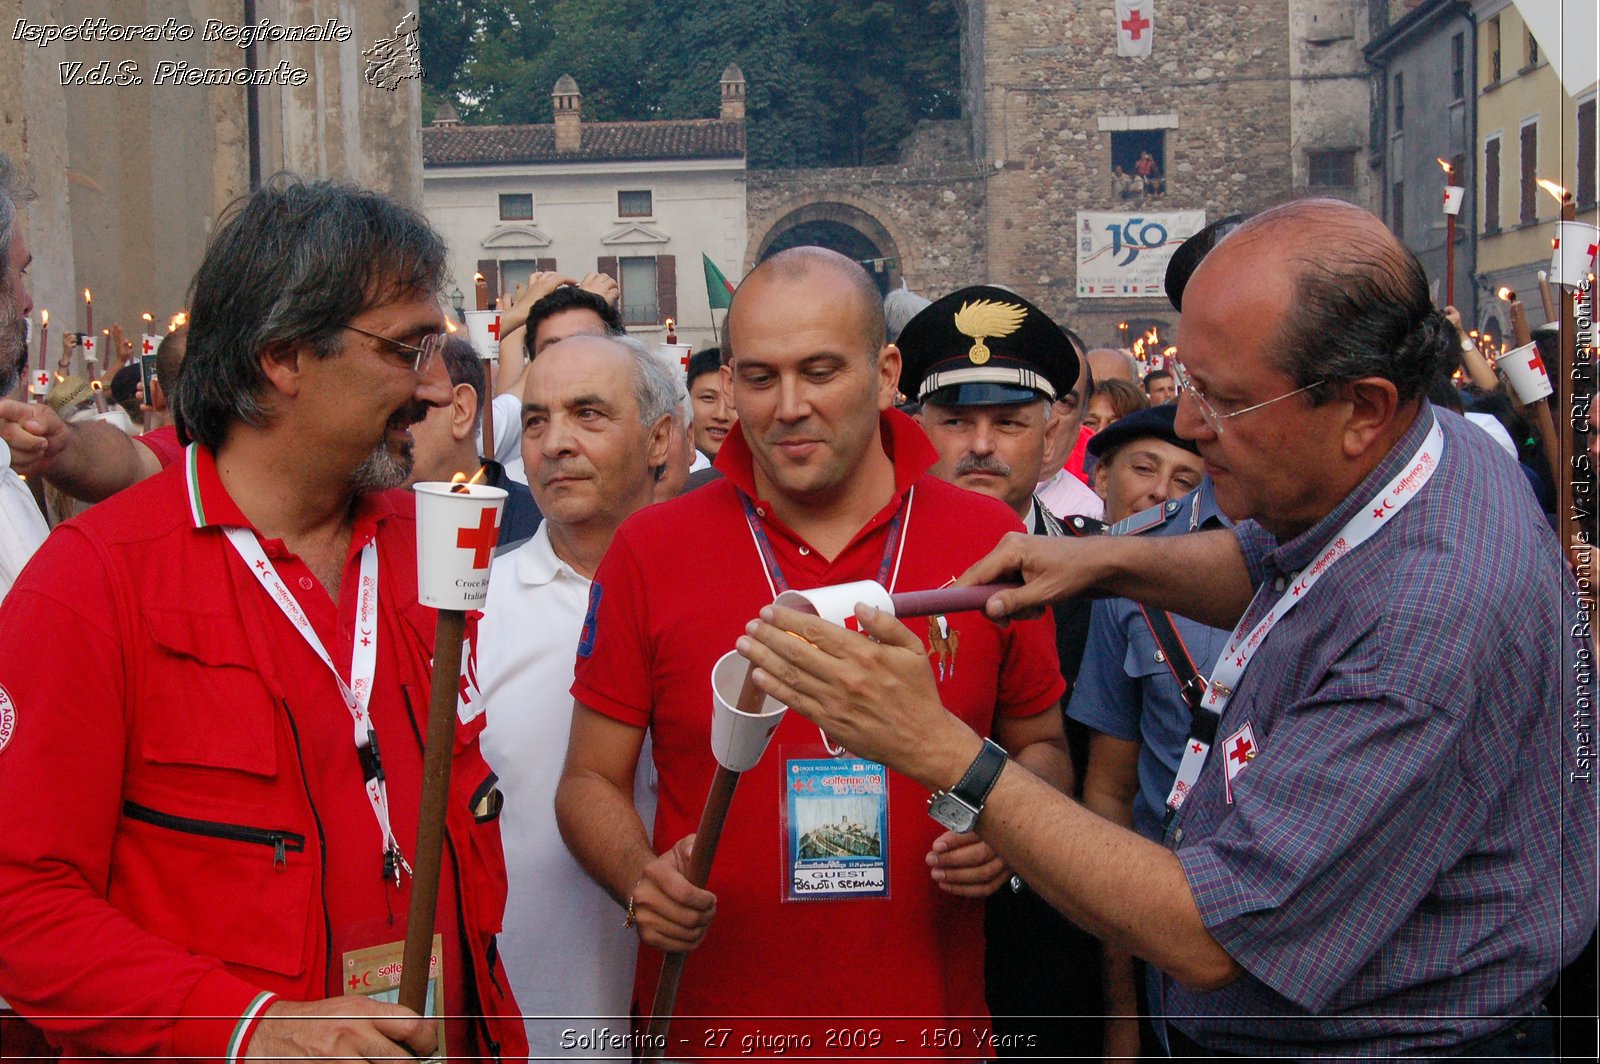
148	317
1446	167
670	323
1138	349
1506	294
1152	337
1170	351
44	317
449	326
461	480
88	297
1561	194
96	385
177	321
477	278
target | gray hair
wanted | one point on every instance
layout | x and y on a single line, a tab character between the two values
899	307
13	326
13	193
655	387
1361	306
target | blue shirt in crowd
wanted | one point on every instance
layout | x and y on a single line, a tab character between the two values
1410	857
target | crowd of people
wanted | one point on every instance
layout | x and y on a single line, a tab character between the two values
1141	803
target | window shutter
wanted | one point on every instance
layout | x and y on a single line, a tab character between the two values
1491	185
1586	153
667	285
545	265
1530	162
490	268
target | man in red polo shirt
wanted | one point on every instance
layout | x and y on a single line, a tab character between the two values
213	687
824	485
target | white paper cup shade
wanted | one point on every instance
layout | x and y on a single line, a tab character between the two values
739	739
483	327
1525	370
456	534
1573	254
837	603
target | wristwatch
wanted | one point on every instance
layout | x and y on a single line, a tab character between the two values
959	807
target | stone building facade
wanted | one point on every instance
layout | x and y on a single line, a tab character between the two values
1425	109
1243	105
923	218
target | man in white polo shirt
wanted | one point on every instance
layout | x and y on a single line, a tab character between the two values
595	425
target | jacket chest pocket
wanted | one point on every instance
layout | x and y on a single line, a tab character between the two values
201	701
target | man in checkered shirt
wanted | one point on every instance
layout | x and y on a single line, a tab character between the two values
1391	847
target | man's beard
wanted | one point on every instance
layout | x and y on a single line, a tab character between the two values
383	469
13	349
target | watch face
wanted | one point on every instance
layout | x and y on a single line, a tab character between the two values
953	813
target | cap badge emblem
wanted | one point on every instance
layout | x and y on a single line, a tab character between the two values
986	319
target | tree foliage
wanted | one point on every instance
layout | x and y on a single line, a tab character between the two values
828	83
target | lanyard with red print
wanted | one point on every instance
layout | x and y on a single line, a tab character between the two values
363	663
1245	641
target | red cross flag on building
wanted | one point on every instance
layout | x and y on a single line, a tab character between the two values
1135	27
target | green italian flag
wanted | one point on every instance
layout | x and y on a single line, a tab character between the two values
719	291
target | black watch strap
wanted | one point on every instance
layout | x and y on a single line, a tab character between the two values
974	787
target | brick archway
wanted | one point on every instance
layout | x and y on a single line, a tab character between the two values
833	210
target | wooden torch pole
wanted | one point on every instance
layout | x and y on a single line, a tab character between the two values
435	800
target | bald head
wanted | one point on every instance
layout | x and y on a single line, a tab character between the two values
1359	304
1110	364
797	266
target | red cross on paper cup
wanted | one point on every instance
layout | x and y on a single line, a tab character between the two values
458	526
1572	252
677	356
1526	371
40	382
483	330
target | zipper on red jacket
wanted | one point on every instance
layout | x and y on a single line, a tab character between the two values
322	840
280	841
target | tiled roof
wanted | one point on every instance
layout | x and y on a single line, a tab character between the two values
701	138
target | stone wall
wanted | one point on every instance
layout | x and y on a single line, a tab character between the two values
926	212
1217	80
132	178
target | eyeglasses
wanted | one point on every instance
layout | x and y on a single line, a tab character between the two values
424	352
1209	413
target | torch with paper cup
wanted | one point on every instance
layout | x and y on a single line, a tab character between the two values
458	525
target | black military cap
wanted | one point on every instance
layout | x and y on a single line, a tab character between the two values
984	346
1153	422
1187	257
